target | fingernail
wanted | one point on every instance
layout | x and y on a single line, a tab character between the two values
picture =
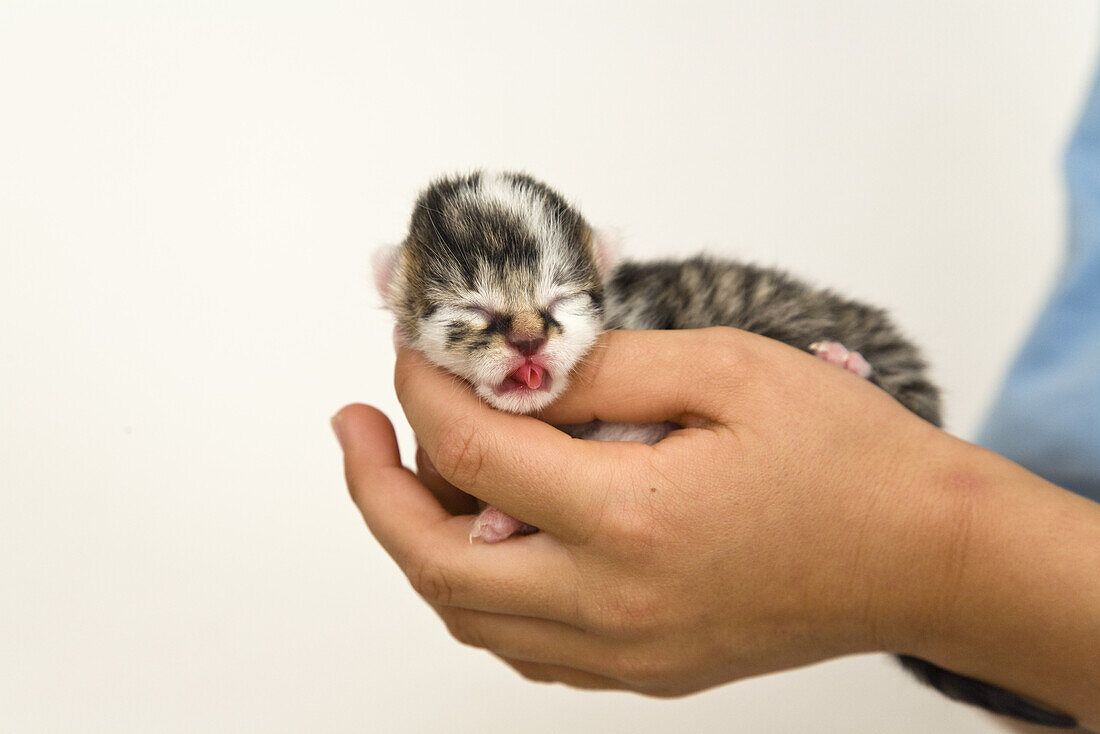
336	428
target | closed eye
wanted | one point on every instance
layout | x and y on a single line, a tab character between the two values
479	312
568	298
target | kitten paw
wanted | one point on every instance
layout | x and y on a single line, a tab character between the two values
836	353
493	526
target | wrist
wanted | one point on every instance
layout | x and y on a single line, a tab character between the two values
997	585
922	521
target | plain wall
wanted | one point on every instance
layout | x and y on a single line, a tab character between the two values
189	194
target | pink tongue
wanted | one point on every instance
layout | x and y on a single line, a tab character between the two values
530	375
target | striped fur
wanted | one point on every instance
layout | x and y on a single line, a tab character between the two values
702	292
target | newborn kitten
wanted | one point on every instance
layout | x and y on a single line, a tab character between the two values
502	282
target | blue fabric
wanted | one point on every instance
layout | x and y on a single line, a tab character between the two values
1047	416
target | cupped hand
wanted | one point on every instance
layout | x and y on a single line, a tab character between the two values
774	530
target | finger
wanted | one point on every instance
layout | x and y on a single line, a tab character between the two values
532	575
395	506
529	576
529	639
527	468
654	376
453	499
544	673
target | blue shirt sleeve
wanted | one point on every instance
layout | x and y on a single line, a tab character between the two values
1047	415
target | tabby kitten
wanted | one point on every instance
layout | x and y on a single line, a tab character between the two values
503	283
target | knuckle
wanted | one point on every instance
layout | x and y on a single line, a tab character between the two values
460	453
627	613
531	671
633	533
669	690
726	371
362	481
463	628
725	349
356	484
430	582
628	535
640	669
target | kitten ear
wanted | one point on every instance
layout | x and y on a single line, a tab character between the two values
384	264
606	244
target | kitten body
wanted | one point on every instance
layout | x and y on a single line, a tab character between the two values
502	282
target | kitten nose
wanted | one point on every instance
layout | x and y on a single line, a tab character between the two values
526	343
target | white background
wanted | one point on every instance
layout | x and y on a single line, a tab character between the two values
189	194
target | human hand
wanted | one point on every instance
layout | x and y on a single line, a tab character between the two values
772	531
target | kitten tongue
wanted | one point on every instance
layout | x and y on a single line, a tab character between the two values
530	375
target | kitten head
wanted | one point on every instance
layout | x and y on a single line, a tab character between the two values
500	282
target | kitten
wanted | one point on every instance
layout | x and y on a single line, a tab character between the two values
503	283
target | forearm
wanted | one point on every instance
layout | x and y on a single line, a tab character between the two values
1017	598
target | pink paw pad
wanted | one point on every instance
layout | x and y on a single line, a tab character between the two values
493	526
836	353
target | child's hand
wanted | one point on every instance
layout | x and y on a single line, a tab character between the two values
764	535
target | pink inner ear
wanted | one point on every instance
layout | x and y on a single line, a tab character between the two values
384	262
607	246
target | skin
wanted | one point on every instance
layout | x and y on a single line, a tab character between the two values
802	514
